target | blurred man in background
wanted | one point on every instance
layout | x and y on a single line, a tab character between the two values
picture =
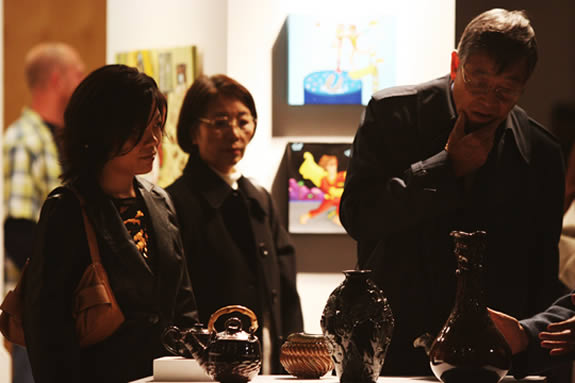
31	159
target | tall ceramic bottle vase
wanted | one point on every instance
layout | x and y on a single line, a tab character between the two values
358	323
469	348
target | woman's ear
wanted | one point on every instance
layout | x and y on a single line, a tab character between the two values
254	131
454	64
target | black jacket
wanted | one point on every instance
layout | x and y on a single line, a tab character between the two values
150	300
401	200
237	253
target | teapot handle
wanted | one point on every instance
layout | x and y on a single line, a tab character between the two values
172	336
230	309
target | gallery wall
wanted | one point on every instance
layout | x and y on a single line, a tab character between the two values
29	22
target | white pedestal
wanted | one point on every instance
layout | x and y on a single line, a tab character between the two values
5	363
179	369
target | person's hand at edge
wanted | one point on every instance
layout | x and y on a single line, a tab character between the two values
559	337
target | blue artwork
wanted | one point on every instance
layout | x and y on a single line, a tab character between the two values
339	61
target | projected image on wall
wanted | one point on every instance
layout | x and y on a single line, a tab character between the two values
339	61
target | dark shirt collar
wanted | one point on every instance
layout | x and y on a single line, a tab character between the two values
212	187
518	123
215	190
513	122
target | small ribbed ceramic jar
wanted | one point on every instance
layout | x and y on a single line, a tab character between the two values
306	356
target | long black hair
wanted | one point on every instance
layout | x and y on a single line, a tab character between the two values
111	105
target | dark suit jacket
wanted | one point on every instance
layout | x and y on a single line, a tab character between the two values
401	200
149	299
258	272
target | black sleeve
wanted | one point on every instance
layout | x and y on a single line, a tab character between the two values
19	238
56	267
550	197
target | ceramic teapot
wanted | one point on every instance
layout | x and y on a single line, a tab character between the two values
230	356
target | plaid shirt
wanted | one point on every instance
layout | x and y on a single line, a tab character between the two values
31	166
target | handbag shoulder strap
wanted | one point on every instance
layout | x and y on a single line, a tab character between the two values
90	233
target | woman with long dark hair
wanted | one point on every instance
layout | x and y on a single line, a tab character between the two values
113	126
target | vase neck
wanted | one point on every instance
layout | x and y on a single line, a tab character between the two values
357	276
469	250
470	294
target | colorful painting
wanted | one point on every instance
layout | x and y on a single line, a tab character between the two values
316	174
174	69
334	61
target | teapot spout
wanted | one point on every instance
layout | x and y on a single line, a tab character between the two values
425	340
198	342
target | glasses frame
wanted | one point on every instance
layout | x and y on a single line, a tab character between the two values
513	97
212	124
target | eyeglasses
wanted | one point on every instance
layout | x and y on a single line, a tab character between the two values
480	85
244	122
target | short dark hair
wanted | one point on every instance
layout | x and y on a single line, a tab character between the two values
202	92
110	106
506	36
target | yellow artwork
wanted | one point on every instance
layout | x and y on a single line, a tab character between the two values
174	69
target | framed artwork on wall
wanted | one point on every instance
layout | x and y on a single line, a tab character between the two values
174	69
340	60
316	175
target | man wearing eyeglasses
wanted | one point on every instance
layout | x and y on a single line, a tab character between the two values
457	153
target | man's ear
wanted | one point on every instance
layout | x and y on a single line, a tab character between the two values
454	64
54	79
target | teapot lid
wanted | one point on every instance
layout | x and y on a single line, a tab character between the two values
233	331
230	309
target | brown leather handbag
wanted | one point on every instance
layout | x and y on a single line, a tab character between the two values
96	311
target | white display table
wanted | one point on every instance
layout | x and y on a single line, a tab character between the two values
333	379
177	369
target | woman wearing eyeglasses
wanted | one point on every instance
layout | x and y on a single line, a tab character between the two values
237	250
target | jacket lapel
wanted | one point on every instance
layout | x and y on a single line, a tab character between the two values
162	229
160	225
437	114
258	218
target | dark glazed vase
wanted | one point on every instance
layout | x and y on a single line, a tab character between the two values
358	323
469	348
